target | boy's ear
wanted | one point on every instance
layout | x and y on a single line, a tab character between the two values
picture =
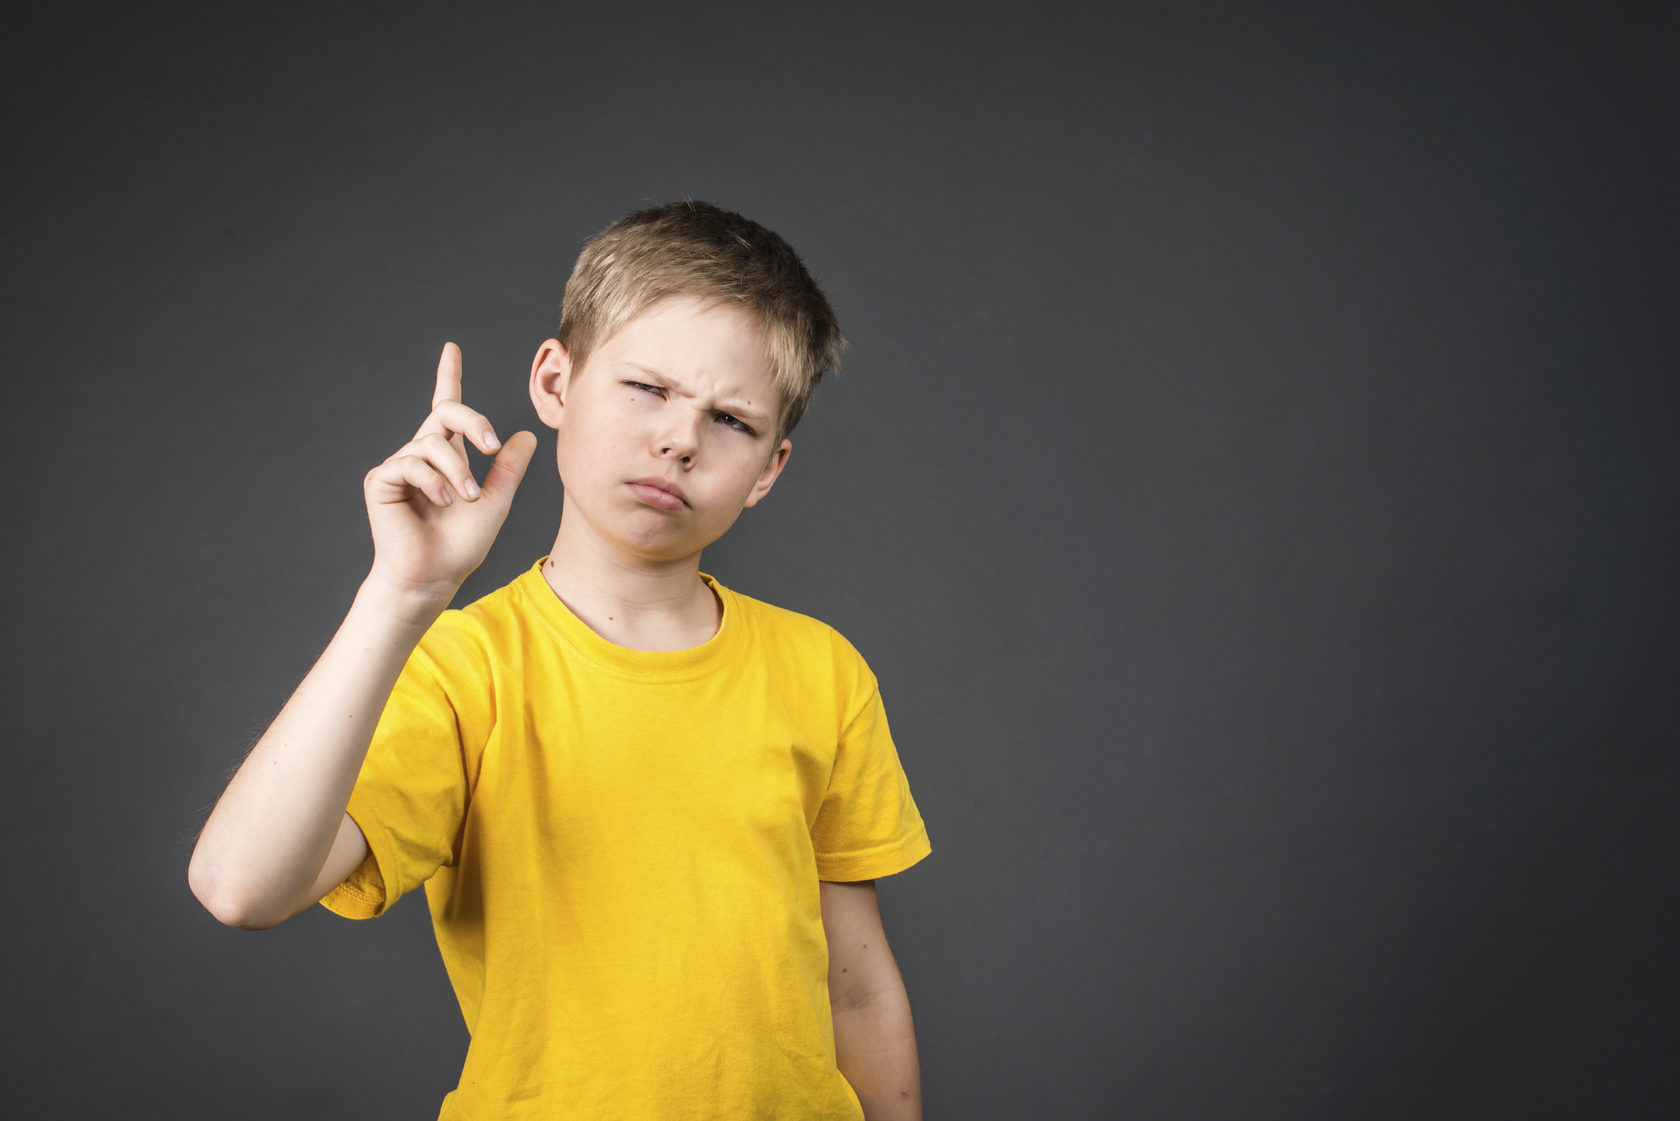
550	370
772	471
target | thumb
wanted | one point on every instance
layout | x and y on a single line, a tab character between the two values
508	469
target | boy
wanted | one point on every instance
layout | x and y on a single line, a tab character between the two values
648	812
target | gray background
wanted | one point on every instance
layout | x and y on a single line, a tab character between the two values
1253	480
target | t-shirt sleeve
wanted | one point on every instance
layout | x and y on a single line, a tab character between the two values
411	796
868	825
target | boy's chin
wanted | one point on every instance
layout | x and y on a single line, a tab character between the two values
657	548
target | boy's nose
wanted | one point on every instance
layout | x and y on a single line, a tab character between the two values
679	440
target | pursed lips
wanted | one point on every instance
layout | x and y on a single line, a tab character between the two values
658	492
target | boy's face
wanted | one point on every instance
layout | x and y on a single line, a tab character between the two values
669	429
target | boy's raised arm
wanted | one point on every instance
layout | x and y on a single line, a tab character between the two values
279	837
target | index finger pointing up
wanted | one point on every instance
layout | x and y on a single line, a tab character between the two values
449	376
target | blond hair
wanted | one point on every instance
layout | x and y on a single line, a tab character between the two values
693	248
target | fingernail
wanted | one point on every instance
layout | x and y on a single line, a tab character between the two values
469	488
490	439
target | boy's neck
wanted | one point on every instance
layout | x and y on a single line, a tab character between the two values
640	604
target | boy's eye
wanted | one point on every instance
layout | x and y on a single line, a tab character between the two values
738	425
653	389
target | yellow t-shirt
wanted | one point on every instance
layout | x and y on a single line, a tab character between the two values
621	851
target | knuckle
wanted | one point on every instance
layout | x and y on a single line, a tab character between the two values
416	468
422	448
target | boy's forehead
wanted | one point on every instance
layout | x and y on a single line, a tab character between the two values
680	311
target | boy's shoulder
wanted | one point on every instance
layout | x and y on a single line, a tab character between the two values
494	612
781	619
805	648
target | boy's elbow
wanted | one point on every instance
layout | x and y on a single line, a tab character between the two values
227	905
889	999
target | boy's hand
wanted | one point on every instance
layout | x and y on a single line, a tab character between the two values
432	523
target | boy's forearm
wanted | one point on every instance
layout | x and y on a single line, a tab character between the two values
269	835
875	1044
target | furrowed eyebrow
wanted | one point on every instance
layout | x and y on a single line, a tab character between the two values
743	411
740	410
650	373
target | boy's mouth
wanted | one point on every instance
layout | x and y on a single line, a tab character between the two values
659	493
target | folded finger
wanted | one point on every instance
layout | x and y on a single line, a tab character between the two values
399	477
451	419
447	459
